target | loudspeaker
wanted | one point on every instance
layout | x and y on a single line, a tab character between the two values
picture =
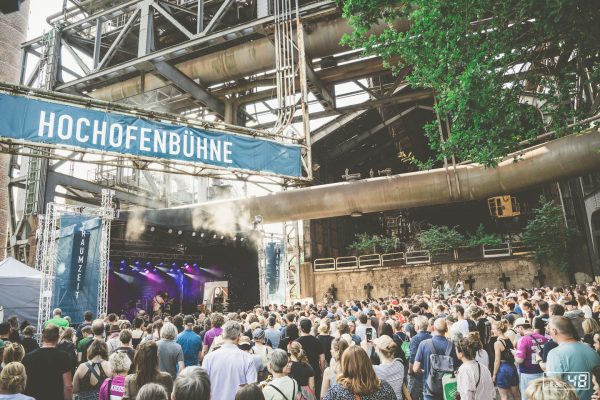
9	6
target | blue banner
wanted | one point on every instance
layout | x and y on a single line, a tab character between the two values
40	121
77	273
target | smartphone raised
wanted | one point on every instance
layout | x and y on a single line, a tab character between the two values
369	335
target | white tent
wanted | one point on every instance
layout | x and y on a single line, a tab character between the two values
19	290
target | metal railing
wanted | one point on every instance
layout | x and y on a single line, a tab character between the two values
369	261
418	257
393	259
347	262
506	249
497	250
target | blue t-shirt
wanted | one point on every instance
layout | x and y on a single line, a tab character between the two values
578	359
191	344
440	343
414	344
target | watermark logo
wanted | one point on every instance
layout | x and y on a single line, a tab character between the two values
577	380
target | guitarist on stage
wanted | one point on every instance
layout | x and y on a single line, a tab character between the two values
158	304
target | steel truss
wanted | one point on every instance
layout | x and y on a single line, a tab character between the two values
48	237
147	163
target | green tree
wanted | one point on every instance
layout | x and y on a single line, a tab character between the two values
440	238
481	238
481	58
547	234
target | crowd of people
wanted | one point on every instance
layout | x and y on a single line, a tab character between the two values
536	344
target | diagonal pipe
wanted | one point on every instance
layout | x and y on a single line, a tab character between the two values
561	158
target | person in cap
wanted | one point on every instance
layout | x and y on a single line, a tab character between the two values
528	354
113	341
190	342
245	344
260	349
390	368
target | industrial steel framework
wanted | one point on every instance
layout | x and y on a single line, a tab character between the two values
48	236
254	65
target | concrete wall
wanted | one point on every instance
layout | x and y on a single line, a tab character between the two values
386	281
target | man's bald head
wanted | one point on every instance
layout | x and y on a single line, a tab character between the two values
439	325
563	326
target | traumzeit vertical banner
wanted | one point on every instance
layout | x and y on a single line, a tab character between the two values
77	266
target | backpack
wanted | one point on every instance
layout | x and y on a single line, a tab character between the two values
439	365
472	325
304	393
404	345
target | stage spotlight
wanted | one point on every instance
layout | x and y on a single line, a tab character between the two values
179	232
161	264
152	229
148	264
195	266
123	263
202	234
222	237
242	239
137	266
193	234
170	230
214	236
154	269
145	271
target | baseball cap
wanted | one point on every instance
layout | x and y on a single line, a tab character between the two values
188	320
244	342
258	333
354	308
521	321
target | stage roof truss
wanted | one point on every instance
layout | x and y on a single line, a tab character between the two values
92	156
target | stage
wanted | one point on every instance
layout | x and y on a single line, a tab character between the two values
192	266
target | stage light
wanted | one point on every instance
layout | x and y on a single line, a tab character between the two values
123	263
179	232
214	236
161	264
195	266
193	234
152	229
222	237
202	234
170	230
154	269
241	239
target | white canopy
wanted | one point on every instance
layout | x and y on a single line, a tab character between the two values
19	290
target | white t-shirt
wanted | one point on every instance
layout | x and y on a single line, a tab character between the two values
469	374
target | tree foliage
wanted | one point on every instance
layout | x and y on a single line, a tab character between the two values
440	238
482	238
548	235
367	244
481	58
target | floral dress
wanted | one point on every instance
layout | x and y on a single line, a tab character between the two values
338	392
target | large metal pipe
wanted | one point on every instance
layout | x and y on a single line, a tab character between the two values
561	158
321	40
